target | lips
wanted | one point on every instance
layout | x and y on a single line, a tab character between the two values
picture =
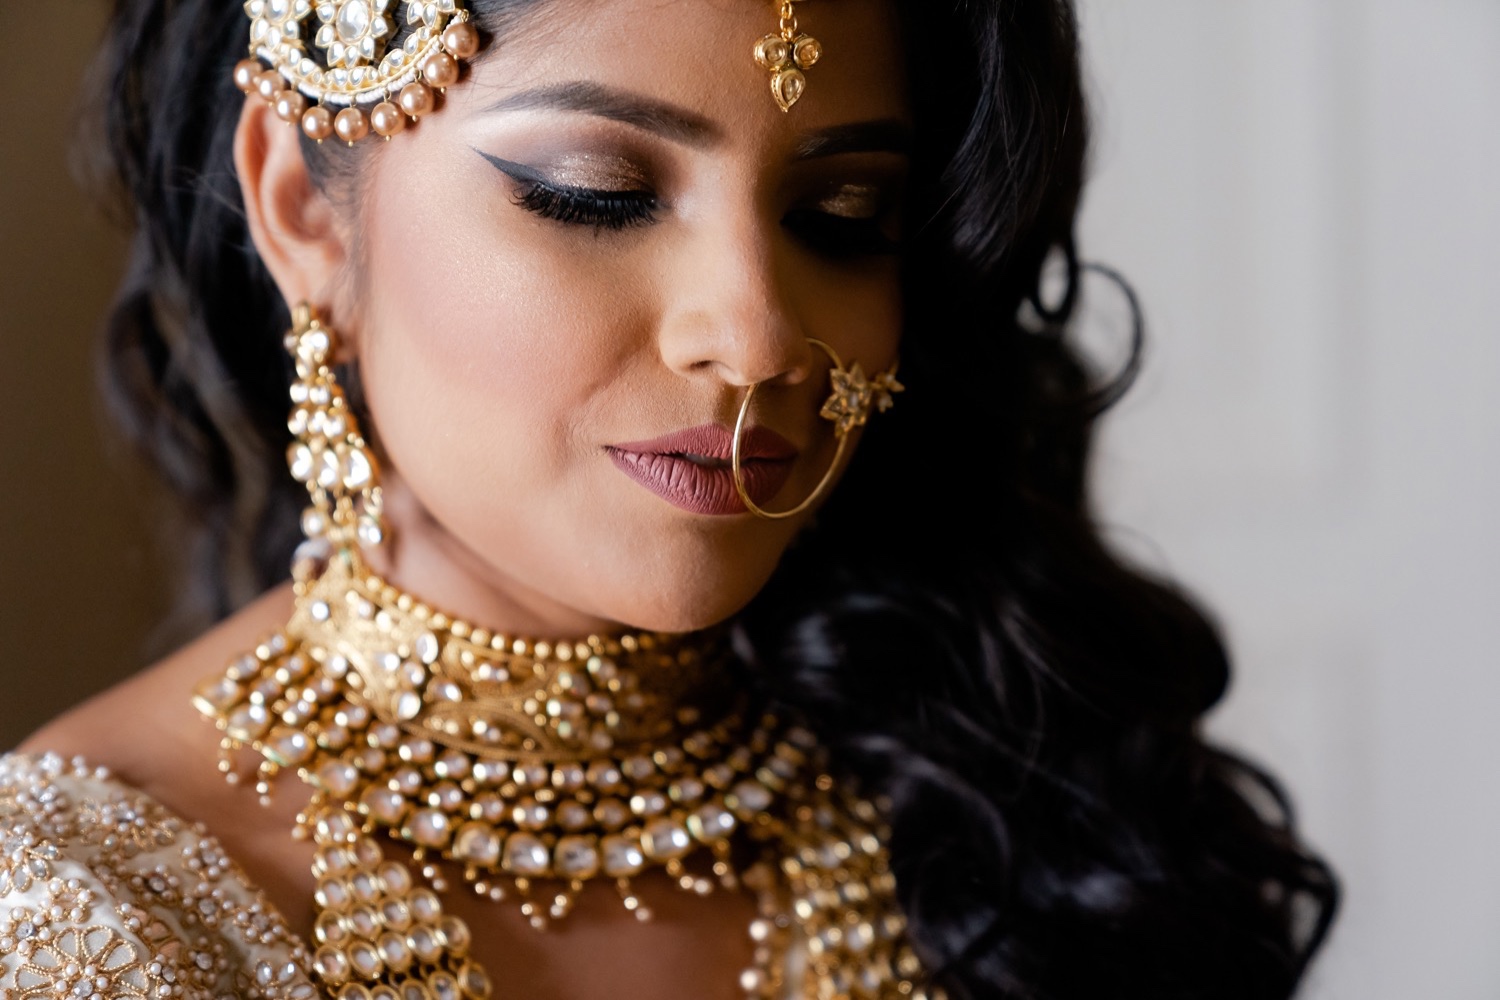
690	468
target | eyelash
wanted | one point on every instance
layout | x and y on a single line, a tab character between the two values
832	235
583	207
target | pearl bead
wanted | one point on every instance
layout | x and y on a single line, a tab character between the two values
665	838
440	70
576	857
268	84
416	99
245	72
525	855
461	39
290	105
351	125
386	119
622	856
317	123
428	827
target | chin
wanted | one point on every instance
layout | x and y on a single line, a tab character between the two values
697	604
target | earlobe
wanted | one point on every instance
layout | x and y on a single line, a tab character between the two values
295	226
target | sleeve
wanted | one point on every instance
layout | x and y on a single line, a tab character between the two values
105	894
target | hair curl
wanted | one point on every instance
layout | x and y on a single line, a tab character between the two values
1030	704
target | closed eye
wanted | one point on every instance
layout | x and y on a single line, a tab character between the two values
588	207
840	235
572	205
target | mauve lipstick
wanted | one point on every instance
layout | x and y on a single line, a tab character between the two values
690	468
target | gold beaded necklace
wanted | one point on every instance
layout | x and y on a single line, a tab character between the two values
530	767
534	768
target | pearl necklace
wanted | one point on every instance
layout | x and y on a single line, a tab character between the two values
533	768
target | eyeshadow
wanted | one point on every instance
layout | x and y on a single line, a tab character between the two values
854	201
602	171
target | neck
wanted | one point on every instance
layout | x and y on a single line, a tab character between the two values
423	557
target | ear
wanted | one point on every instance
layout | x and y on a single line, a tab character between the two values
296	228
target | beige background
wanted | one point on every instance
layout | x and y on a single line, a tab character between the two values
78	591
1307	195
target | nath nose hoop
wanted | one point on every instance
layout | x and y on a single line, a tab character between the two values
848	406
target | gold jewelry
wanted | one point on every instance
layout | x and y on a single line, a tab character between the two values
787	54
848	406
532	767
360	68
328	454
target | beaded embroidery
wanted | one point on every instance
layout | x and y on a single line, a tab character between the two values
104	893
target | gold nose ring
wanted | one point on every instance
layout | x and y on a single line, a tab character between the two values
853	395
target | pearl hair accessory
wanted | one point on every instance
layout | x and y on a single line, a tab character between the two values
364	83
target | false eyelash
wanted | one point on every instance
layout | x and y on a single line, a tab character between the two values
580	206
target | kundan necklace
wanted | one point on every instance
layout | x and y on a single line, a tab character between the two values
530	767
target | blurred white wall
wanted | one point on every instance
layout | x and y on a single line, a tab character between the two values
1307	197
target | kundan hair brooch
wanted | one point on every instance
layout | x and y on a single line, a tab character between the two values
353	76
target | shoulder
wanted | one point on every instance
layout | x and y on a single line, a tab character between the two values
104	891
152	740
145	729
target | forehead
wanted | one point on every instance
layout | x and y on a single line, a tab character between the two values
698	55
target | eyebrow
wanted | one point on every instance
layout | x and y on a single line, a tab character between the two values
882	135
668	120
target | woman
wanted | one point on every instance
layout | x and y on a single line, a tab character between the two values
642	596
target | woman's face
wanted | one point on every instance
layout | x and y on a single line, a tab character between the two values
606	232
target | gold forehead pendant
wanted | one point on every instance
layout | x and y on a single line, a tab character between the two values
787	55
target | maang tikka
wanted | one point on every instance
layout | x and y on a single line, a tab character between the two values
787	53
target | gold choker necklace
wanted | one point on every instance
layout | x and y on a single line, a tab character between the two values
533	768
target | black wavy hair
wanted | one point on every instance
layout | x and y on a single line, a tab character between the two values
1030	704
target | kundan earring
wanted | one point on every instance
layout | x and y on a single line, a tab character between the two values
848	406
329	455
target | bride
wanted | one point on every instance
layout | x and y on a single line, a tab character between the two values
694	591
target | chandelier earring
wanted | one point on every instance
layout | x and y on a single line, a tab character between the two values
328	453
848	406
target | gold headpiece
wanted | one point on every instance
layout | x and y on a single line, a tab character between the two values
360	68
365	84
786	54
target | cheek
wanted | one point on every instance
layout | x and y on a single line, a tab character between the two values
485	344
450	298
862	320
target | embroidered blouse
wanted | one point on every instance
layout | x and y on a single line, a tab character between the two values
104	893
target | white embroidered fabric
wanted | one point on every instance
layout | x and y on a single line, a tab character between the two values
104	893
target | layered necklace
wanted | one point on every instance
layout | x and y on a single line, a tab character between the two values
532	768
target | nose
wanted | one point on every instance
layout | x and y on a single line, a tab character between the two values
730	312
